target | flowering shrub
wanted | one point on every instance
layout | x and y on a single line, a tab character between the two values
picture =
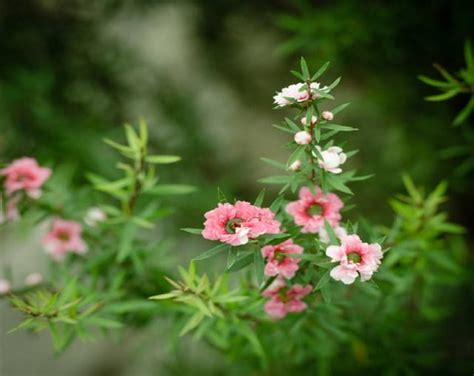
281	301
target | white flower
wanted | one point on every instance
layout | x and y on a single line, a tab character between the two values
302	138
297	93
332	159
327	115
314	119
94	215
33	279
5	286
339	231
295	166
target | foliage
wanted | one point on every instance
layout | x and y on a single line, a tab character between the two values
104	288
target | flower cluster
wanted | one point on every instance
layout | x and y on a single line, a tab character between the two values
236	224
22	175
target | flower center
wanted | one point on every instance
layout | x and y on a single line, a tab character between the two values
283	295
279	256
315	209
354	257
232	225
63	236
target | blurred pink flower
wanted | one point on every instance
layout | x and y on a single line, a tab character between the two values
33	279
25	174
64	237
311	210
355	258
5	286
278	263
236	224
11	210
284	299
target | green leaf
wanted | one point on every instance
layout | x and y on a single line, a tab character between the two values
168	295
126	150
335	83
276	179
436	83
340	108
304	69
443	96
333	240
337	127
274	163
320	71
162	159
323	281
259	200
292	125
241	262
127	237
212	252
195	231
297	75
171	189
465	112
337	184
104	323
284	129
193	322
259	264
132	138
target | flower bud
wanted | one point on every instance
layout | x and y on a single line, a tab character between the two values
5	286
327	115
33	279
295	166
302	138
314	119
94	215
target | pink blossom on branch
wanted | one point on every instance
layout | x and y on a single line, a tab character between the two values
296	93
25	174
278	261
236	224
284	299
302	138
64	236
355	258
311	210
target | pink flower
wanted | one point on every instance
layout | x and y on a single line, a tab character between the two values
355	258
278	263
298	93
311	210
327	115
64	237
236	224
302	138
332	158
5	286
284	299
25	174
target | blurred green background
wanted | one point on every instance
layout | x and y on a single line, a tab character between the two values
203	74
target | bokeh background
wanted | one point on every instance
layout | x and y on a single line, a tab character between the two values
203	73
